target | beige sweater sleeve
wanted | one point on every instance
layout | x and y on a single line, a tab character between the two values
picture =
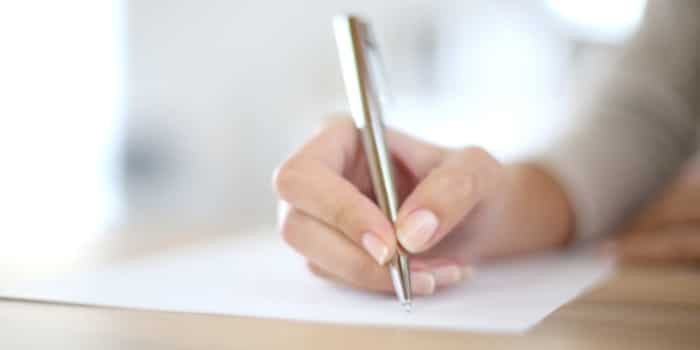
640	127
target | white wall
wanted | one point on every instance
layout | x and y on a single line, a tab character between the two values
220	91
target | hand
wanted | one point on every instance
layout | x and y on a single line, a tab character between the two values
668	229
458	206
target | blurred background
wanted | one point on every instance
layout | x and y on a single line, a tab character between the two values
151	120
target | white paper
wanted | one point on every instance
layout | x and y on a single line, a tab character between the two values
261	277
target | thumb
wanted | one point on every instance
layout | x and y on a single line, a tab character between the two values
445	196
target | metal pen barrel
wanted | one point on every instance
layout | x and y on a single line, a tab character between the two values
353	39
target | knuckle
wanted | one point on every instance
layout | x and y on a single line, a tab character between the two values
289	227
276	180
284	176
476	153
342	215
490	172
456	175
457	181
479	155
315	270
361	271
336	128
341	121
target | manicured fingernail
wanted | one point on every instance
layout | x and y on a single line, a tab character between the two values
417	229
422	283
375	247
447	275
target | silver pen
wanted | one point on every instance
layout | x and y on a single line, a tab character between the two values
359	61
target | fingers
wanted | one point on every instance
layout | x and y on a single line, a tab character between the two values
332	199
447	272
312	181
336	256
445	196
671	244
444	275
417	156
328	217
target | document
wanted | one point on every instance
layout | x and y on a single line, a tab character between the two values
257	275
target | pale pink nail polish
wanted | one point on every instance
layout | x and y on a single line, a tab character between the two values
375	247
447	275
422	283
417	229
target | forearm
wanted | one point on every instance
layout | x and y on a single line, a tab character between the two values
633	136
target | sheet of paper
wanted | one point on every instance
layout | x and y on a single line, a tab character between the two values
259	276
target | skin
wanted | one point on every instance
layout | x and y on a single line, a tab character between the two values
467	206
667	230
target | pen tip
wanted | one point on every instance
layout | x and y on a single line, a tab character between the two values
407	306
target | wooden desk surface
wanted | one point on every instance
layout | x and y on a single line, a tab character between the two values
640	308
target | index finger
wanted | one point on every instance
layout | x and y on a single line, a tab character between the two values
312	181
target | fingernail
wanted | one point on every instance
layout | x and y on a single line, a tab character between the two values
417	229
375	247
447	275
422	283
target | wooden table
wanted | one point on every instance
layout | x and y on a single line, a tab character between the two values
640	308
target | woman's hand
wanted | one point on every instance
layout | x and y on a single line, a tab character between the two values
668	229
457	206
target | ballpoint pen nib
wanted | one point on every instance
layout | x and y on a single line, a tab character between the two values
407	306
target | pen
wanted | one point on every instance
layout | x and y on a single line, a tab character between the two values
359	64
